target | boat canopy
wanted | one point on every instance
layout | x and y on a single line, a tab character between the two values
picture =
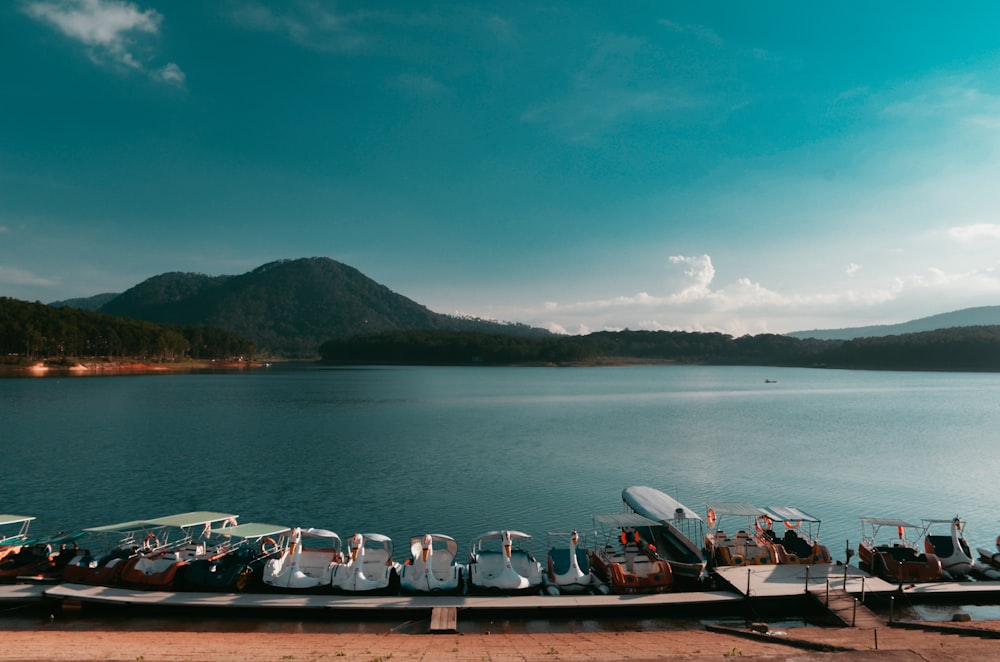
19	538
383	540
886	521
251	530
319	533
121	527
735	508
624	520
514	535
439	542
656	505
187	520
14	519
788	514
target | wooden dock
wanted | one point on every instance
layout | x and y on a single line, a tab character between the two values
846	608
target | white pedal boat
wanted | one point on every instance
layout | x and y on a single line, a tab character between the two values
431	567
501	561
307	563
951	548
568	567
368	566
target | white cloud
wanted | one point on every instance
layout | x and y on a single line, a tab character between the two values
975	232
16	276
115	32
853	268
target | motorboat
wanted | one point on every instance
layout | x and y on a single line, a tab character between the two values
623	559
502	561
118	543
367	567
748	545
241	566
951	547
568	566
431	567
798	543
895	558
674	537
40	559
307	563
185	538
13	533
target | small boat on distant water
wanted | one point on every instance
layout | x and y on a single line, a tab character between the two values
13	533
368	566
186	538
951	547
799	544
674	537
622	559
245	550
895	559
748	546
431	567
306	564
502	561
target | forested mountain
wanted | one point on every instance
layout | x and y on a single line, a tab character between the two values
981	316
31	331
974	348
93	303
289	307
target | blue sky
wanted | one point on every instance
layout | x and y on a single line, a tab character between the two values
709	166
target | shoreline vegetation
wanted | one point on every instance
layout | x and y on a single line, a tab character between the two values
71	367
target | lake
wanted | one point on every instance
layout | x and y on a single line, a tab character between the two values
405	450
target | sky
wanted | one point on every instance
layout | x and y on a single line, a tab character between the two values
689	165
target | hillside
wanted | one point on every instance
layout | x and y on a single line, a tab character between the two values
981	316
289	307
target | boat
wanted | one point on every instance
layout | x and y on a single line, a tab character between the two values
40	559
306	564
951	547
368	566
895	559
13	533
185	538
799	542
502	561
118	543
748	546
622	559
674	538
568	566
239	566
431	567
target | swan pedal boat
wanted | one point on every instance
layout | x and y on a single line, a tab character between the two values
368	566
186	538
568	567
502	562
674	538
951	547
13	533
622	559
306	564
748	546
431	567
895	559
104	568
799	543
247	549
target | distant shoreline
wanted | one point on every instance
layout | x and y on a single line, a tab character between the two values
84	367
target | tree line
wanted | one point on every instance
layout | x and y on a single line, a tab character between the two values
30	331
975	348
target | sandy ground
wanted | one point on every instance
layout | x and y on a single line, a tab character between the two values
844	644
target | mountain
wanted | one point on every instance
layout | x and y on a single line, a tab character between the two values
981	316
289	307
92	304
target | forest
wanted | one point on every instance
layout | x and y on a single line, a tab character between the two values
30	331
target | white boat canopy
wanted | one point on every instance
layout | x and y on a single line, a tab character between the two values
654	504
319	533
21	535
788	514
14	519
735	508
514	535
188	520
252	530
624	520
886	521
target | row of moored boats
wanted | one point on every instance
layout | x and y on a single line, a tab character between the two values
648	547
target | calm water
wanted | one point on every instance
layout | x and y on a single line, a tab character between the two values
401	451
